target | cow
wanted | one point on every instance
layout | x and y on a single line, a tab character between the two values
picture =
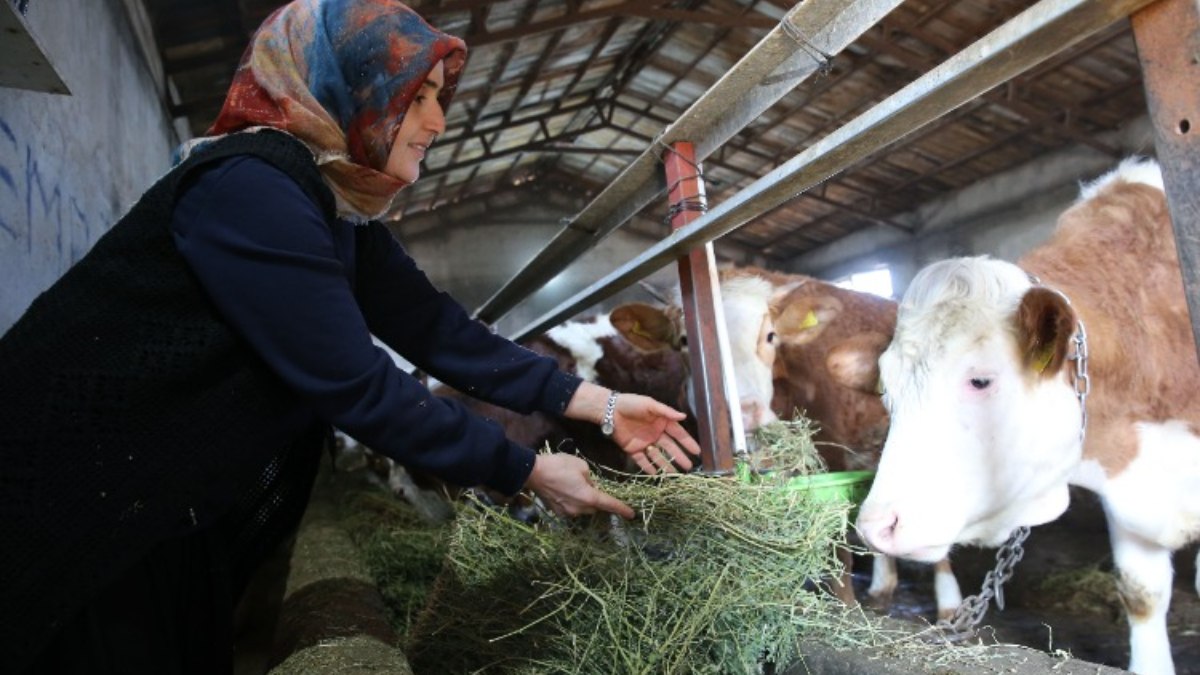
829	340
1006	383
811	347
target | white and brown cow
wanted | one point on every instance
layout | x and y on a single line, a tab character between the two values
989	426
808	346
828	342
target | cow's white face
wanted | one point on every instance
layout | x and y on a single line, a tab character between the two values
985	426
750	332
745	303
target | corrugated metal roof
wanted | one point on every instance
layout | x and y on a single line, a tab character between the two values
573	90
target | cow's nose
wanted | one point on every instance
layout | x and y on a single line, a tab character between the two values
755	414
877	527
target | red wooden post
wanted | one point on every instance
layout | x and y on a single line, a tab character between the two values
1168	41
698	282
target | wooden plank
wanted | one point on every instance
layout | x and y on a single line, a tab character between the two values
701	295
24	63
1168	41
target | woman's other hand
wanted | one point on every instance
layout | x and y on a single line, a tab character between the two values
647	430
650	433
564	483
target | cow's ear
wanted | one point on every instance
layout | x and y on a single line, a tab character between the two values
1045	326
854	362
647	327
801	321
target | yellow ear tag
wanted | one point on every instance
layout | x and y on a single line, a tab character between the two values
1043	359
879	386
637	330
810	320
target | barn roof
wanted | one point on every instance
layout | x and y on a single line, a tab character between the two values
572	92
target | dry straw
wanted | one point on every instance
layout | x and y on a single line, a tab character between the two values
715	575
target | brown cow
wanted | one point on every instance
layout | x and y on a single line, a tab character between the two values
828	344
828	341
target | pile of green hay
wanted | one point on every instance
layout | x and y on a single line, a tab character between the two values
714	575
1085	590
403	551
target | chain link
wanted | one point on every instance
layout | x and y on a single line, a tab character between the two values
973	608
1083	385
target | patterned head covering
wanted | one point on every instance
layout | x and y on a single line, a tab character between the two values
340	75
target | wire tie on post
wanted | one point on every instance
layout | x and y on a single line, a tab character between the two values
823	59
699	203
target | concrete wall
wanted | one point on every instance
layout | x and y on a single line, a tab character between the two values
71	165
472	248
1003	217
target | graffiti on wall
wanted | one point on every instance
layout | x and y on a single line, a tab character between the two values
39	216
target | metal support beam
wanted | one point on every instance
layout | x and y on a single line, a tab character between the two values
1168	41
1032	36
701	295
787	55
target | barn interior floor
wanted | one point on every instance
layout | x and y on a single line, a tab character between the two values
1087	623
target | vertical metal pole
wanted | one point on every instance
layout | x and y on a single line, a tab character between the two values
1168	41
698	282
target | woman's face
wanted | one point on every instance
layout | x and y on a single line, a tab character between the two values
423	122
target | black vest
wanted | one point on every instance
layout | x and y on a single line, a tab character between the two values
131	413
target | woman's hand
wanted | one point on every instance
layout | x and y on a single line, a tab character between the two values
564	483
648	431
651	435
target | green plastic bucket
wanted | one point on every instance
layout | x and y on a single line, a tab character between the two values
851	486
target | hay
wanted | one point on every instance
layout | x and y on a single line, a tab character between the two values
346	656
787	446
403	551
714	575
1080	591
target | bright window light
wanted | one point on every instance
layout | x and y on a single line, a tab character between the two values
877	281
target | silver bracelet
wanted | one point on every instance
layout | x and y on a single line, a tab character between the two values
606	426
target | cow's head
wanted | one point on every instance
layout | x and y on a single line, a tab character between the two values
746	303
830	339
985	424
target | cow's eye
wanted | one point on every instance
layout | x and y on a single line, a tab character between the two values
771	337
981	383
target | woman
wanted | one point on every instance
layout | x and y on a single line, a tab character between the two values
165	402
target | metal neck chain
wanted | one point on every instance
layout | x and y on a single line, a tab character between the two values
973	608
1079	378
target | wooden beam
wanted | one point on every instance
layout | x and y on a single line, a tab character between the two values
1168	41
479	37
701	297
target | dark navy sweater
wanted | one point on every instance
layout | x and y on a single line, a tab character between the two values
307	295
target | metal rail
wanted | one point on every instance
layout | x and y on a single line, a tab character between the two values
1039	32
792	51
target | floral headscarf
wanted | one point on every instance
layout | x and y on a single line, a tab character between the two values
340	75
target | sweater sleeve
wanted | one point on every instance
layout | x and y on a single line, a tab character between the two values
265	255
432	330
